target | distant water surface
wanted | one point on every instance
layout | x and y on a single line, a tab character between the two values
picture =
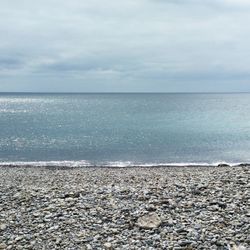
124	129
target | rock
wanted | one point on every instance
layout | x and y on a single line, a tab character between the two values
151	208
72	195
240	247
185	243
222	205
58	241
149	221
3	246
33	242
244	165
223	165
18	238
170	222
181	230
108	245
17	195
89	247
3	227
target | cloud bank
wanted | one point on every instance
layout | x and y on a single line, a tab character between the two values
133	45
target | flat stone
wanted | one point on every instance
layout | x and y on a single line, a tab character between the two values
18	238
3	246
3	227
149	221
108	245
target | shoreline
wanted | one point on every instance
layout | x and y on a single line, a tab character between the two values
177	208
106	166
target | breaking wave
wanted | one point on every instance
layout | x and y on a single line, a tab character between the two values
115	164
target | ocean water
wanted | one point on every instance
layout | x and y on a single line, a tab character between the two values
124	129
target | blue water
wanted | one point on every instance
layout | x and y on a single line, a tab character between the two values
124	129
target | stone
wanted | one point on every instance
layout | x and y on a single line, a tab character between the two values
223	165
108	245
149	221
3	246
151	208
185	243
18	238
240	247
92	208
89	247
3	227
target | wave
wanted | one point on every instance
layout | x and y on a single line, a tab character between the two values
116	164
13	111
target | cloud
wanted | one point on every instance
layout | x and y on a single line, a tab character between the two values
215	3
9	63
139	44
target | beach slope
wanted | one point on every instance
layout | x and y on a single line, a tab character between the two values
125	208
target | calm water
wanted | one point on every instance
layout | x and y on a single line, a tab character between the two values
122	129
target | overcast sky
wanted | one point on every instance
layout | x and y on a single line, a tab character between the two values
131	45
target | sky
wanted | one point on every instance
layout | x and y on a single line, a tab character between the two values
125	46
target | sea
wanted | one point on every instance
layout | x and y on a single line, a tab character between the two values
124	129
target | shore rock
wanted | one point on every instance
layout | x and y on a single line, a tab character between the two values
149	221
3	246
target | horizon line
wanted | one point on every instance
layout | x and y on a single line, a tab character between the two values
128	92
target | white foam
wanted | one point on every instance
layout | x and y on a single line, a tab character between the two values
47	163
117	164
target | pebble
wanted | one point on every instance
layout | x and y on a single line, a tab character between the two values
149	221
130	208
3	227
3	246
108	245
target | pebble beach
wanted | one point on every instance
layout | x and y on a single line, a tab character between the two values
125	208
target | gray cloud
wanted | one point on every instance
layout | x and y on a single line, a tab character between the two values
212	3
139	45
9	63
